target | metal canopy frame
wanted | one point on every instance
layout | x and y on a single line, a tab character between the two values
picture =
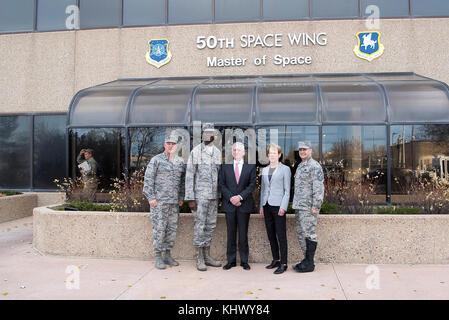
255	83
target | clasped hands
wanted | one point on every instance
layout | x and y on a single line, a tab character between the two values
235	200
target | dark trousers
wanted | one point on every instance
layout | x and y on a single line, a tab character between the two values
276	231
237	221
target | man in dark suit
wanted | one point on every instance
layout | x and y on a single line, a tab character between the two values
237	182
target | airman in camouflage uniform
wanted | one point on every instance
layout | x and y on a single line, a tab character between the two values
164	189
201	189
89	176
307	200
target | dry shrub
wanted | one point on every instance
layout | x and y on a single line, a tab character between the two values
127	194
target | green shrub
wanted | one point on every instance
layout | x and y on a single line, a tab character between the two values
331	208
398	210
9	193
87	206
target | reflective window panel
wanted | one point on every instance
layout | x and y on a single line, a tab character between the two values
49	158
355	160
430	8
223	104
287	103
143	12
52	15
109	152
386	8
285	9
335	8
146	143
15	146
16	15
237	10
419	153
100	13
192	11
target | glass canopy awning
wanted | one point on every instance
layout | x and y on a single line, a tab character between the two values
368	98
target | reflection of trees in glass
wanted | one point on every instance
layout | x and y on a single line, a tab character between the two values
145	143
49	158
15	139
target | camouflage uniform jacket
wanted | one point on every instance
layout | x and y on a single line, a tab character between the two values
309	186
164	179
202	173
91	175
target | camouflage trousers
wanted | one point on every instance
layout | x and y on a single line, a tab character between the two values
205	222
306	223
89	191
164	218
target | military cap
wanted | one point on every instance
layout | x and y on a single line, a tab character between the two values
171	137
304	145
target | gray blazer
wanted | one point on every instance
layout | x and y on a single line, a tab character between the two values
276	192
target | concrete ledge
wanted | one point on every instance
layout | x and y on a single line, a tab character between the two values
398	239
16	207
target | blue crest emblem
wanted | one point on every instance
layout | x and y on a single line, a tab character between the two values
368	45
159	53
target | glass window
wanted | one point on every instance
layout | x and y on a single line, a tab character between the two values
430	7
352	102
335	8
285	9
16	15
101	106
109	152
100	13
51	14
15	155
192	11
418	153
287	103
287	137
224	104
143	12
146	143
354	164
237	10
387	8
417	101
161	105
49	158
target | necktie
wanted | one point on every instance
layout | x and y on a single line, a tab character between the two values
237	175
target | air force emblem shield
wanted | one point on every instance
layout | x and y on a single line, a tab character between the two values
368	46
159	53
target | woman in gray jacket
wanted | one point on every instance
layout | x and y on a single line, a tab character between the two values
274	197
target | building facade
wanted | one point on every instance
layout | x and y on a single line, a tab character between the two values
50	52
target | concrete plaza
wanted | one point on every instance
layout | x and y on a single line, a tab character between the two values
26	274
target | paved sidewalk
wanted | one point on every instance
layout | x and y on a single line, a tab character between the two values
26	274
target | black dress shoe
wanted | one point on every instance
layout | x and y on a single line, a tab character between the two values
281	269
229	265
245	266
274	264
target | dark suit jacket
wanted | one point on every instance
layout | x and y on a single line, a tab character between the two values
244	188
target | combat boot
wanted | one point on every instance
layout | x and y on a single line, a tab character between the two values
159	261
169	260
308	265
200	263
209	260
